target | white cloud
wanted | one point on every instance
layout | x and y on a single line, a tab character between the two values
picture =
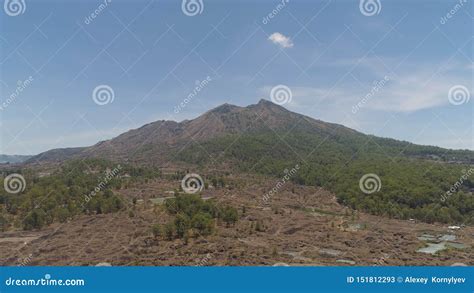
415	92
406	93
281	40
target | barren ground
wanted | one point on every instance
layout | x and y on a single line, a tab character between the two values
302	226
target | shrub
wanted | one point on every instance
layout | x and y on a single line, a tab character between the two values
157	230
230	215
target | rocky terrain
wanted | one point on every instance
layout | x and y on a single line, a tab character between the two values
162	142
299	226
321	215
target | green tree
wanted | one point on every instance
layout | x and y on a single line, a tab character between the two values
157	230
182	224
34	220
203	223
230	215
3	223
169	230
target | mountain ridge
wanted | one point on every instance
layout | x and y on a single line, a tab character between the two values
267	139
156	140
12	159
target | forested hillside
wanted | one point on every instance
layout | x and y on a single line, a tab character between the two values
410	187
267	139
78	187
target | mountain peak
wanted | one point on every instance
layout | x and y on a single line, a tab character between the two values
225	108
265	102
268	106
157	142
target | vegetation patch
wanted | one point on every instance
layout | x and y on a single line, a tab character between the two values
78	187
192	217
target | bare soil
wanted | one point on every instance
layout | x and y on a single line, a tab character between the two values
301	226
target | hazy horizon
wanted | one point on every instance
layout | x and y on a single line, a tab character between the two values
178	122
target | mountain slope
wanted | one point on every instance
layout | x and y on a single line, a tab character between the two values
411	181
161	141
13	159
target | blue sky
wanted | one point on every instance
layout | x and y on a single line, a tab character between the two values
330	55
